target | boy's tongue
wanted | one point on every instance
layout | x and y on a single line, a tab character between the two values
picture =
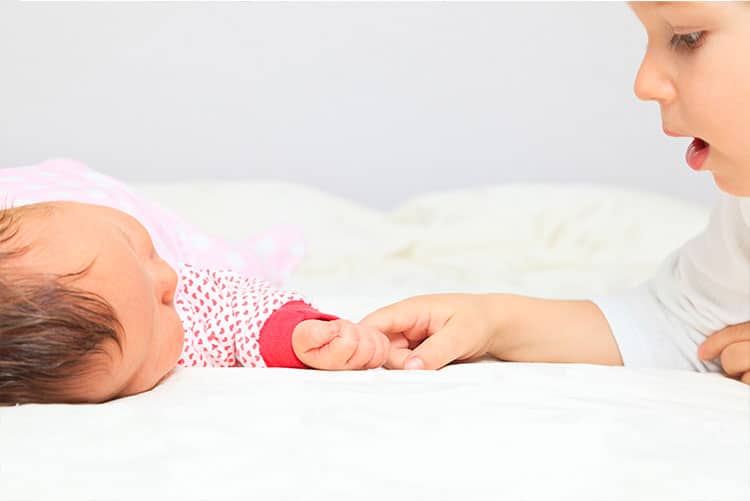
697	153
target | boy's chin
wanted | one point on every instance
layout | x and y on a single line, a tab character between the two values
734	187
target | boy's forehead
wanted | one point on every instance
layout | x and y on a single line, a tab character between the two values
658	5
649	5
663	5
679	6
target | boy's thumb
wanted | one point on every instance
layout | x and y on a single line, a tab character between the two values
434	352
413	363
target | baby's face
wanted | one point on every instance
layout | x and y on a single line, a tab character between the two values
127	273
697	67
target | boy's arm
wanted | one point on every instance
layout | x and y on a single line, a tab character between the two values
544	330
430	331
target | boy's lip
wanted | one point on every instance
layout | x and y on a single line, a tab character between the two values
673	134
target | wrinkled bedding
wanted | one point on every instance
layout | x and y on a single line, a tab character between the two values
484	430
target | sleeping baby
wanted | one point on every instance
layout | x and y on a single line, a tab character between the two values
90	312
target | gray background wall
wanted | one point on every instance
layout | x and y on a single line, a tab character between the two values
377	102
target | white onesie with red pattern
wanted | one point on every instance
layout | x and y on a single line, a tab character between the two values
231	320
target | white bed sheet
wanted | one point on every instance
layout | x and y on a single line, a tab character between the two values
487	430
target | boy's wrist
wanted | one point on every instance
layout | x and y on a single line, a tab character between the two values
504	335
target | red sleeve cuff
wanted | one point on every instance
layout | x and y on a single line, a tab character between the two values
276	335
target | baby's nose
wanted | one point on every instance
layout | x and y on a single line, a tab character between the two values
167	282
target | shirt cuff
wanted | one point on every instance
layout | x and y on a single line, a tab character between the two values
275	338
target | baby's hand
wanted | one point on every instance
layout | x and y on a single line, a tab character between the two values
339	345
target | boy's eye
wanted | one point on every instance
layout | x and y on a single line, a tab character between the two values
687	41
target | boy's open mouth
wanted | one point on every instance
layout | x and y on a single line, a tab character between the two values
696	153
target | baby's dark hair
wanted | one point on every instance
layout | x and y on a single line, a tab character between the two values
50	332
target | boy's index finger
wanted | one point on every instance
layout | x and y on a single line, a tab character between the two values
392	319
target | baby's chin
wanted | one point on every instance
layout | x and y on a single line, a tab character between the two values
172	364
179	342
173	345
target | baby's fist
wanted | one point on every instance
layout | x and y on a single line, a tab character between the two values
339	345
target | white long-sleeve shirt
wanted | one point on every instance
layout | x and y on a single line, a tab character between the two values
699	289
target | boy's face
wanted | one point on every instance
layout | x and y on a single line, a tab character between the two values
697	67
128	274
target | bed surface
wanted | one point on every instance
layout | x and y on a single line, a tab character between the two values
486	430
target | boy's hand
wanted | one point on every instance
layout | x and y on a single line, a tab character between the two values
428	332
733	344
339	345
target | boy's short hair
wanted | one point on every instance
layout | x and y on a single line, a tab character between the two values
50	332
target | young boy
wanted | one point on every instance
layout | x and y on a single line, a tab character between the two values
692	68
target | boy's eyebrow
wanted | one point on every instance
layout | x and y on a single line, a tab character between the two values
653	5
676	4
664	4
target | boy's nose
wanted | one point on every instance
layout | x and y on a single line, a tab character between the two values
653	82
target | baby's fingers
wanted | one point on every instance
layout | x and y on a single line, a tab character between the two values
313	335
364	351
342	348
382	348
